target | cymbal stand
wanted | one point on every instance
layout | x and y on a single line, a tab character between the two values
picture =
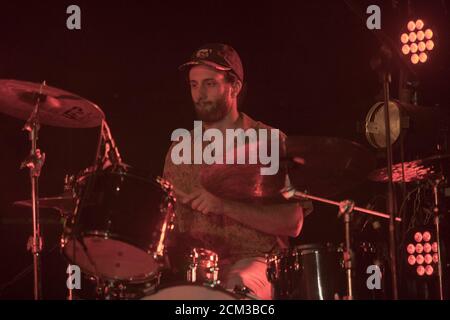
34	162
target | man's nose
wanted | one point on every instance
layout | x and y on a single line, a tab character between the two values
203	93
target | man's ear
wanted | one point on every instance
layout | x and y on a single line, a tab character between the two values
236	88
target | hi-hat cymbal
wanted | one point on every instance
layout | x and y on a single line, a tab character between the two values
57	107
64	204
324	166
416	170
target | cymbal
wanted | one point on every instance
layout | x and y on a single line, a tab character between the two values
324	166
327	166
416	170
57	108
242	182
64	204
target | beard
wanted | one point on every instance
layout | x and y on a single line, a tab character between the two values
212	111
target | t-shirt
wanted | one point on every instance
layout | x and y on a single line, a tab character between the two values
223	235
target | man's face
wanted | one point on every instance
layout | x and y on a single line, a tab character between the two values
210	92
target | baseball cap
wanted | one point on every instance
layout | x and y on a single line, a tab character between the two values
219	56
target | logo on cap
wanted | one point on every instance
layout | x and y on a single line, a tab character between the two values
203	53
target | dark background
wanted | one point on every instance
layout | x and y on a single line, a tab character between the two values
306	68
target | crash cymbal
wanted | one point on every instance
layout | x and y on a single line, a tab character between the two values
64	204
57	108
416	170
327	166
323	166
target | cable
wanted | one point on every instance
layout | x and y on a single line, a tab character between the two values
24	272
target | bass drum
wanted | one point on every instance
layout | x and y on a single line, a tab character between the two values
120	225
183	291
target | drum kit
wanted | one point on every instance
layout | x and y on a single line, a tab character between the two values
118	220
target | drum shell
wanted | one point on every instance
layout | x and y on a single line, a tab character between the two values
122	210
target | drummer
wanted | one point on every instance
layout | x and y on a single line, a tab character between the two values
241	233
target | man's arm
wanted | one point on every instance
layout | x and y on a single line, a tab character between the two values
278	219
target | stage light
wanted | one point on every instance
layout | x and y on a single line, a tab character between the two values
423	57
411	26
421	46
434	247
429	270
419	24
418	236
405	48
420	270
419	248
419	41
420	259
422	256
435	258
420	35
405	38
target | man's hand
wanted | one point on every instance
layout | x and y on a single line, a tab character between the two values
202	201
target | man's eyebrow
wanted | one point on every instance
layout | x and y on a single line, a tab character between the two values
207	79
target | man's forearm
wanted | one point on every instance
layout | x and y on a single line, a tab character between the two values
277	219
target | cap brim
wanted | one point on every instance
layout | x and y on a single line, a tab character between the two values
203	62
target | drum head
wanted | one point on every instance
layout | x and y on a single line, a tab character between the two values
192	292
111	259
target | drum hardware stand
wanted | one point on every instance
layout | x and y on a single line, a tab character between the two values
35	162
345	210
436	184
112	155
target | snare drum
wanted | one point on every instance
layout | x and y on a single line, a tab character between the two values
203	267
120	226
